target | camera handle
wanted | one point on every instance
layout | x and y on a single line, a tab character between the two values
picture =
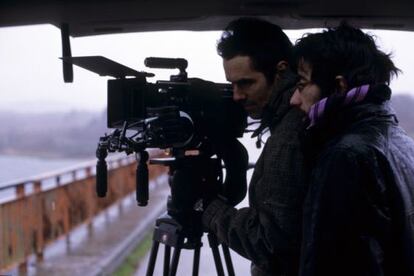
142	179
101	170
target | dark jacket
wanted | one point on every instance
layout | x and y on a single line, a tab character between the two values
359	211
268	231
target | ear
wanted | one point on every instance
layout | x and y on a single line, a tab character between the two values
281	68
341	84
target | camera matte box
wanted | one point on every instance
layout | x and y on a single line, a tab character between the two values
126	101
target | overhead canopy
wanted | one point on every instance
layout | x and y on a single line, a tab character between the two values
93	17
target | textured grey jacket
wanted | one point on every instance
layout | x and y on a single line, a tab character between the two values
268	231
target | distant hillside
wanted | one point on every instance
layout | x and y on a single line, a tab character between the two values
76	134
403	105
73	134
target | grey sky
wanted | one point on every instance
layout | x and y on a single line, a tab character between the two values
31	73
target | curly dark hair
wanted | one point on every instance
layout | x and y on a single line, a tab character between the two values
346	51
265	43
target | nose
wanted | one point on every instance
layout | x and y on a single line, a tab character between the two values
238	95
295	100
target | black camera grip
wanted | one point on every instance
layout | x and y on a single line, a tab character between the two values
142	180
236	160
101	178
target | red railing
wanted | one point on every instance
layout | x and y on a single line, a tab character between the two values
37	211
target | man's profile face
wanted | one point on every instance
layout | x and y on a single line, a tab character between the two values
250	87
306	93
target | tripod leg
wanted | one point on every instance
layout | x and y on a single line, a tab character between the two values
167	258
196	261
227	258
216	254
153	258
176	258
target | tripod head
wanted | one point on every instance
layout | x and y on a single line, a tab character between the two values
193	179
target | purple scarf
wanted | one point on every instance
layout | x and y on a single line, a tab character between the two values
353	96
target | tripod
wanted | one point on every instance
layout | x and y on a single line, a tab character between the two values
170	233
181	226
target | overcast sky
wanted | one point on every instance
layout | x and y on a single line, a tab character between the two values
31	74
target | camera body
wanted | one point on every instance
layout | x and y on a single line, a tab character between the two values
208	107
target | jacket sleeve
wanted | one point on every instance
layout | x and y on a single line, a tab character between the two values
268	231
249	232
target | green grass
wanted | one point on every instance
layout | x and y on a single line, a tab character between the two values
129	266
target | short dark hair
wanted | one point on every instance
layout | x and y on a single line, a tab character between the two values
265	43
346	51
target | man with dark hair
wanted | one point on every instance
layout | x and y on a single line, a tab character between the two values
256	57
359	210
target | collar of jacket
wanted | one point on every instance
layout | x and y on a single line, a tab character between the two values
278	104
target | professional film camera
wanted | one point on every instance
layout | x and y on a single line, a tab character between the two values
184	115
